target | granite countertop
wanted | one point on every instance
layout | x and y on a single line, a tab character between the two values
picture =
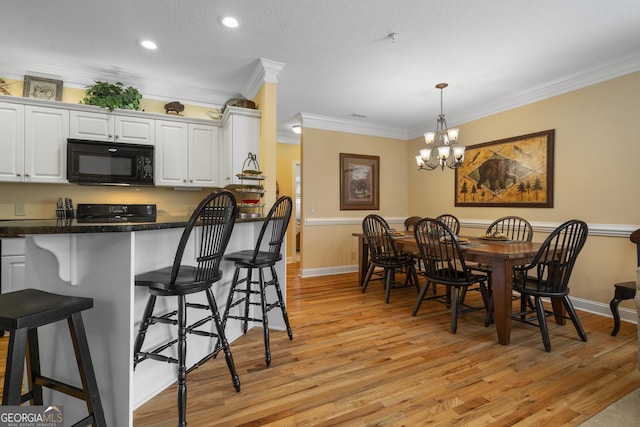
19	228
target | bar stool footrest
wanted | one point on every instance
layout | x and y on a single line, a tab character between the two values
251	319
61	387
167	319
200	306
158	357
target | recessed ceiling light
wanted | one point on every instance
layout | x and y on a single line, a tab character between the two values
229	22
296	129
148	44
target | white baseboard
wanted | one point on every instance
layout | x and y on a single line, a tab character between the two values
626	314
327	271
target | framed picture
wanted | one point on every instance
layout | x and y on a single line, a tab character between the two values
514	172
359	182
41	88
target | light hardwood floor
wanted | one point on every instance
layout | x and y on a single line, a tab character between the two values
357	361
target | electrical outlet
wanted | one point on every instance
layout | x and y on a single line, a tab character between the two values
20	209
353	255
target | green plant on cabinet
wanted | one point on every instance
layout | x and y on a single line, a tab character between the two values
112	96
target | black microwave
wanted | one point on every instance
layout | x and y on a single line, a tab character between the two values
97	162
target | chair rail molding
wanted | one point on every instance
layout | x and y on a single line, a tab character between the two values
609	230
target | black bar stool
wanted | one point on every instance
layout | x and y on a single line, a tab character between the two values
215	215
260	258
21	313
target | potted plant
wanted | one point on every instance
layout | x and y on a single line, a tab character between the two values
112	96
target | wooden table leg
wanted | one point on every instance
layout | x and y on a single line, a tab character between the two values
501	278
363	259
559	311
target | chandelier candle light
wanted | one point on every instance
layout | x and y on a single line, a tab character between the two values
442	149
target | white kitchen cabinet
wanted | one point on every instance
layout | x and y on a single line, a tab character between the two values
241	136
134	130
171	157
33	143
11	142
112	127
204	153
12	265
186	154
45	144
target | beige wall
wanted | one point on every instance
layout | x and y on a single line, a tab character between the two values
332	245
589	123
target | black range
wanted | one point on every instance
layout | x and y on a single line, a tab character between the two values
95	213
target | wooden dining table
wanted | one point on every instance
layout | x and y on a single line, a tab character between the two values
502	255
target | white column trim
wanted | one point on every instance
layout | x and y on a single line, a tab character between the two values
266	71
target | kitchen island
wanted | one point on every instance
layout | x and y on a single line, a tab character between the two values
100	261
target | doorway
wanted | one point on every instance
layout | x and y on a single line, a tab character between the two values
296	208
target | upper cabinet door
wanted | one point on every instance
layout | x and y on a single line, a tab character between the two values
45	148
204	150
11	142
112	128
134	130
186	155
93	126
171	156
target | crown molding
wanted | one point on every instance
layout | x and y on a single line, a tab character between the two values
567	83
350	126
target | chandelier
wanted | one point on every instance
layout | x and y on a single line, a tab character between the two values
442	149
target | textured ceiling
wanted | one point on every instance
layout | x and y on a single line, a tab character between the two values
338	60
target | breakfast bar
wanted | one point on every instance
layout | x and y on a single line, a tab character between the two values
100	261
